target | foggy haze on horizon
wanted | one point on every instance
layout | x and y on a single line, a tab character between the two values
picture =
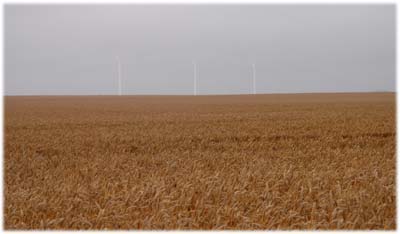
71	49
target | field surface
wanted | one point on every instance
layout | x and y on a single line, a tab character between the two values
299	161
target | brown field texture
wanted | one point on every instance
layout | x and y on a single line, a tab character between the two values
300	161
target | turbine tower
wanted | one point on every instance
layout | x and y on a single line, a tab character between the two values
254	79
194	78
119	76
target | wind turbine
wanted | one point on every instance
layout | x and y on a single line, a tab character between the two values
194	78
119	76
254	79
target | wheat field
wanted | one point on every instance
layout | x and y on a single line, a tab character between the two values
282	161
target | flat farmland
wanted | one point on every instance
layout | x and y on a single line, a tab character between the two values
281	161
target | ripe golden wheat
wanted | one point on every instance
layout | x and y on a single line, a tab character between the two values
306	161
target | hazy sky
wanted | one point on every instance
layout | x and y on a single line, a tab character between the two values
71	49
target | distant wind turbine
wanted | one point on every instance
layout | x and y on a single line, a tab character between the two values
119	76
254	79
194	78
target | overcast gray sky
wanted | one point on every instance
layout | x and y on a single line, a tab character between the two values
71	49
